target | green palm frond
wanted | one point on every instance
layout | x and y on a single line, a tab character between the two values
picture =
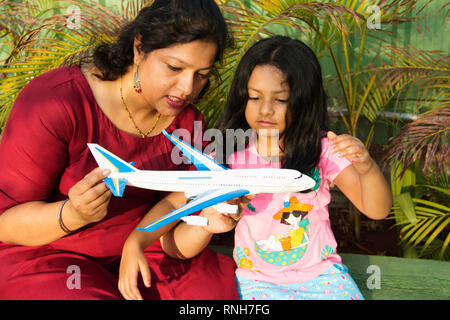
427	136
319	23
418	80
432	221
351	85
423	83
49	43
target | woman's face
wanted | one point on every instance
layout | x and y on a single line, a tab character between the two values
173	77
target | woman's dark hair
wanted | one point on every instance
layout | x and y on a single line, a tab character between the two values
160	25
306	115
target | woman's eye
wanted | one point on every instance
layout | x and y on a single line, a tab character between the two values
173	68
253	98
203	76
282	100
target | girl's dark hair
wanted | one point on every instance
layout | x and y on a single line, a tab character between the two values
160	25
306	115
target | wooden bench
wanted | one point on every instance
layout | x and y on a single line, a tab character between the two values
393	278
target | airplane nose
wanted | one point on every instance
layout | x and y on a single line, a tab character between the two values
304	182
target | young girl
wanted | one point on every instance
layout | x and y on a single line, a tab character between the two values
284	245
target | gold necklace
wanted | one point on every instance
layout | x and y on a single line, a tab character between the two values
142	134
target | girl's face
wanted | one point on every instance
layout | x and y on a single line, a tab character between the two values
173	77
268	93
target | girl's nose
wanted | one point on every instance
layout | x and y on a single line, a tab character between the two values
266	108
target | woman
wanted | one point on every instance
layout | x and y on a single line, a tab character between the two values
61	232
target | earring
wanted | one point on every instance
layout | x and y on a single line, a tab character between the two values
137	83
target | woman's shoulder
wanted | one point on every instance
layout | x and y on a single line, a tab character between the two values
50	87
50	80
51	99
60	86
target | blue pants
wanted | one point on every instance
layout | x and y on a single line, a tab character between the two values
334	284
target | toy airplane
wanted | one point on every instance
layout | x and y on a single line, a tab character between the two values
211	184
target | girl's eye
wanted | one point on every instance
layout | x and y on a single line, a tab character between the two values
253	98
282	100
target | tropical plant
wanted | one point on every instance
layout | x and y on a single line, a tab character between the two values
342	35
421	214
421	210
55	33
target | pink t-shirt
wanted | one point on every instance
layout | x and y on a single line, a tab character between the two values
287	238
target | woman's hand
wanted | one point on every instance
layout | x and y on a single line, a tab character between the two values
132	262
353	149
88	200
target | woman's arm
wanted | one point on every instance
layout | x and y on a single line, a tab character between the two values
363	182
31	224
36	223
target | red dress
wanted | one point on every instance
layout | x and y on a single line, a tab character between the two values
43	153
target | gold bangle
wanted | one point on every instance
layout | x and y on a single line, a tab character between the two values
61	223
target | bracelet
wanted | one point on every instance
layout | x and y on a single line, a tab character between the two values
61	223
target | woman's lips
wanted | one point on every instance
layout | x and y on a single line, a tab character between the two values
175	102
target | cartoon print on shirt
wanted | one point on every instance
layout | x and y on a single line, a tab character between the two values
241	259
286	249
327	251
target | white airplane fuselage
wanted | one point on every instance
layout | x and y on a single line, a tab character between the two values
194	182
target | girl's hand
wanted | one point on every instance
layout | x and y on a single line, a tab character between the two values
132	262
223	222
353	149
88	199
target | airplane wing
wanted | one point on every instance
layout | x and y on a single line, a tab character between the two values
200	160
204	200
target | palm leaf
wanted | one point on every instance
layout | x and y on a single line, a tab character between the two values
432	220
427	138
51	44
326	21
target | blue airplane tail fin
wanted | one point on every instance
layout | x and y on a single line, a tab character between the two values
108	160
199	159
116	185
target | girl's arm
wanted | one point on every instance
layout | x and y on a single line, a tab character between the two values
185	241
363	182
133	260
